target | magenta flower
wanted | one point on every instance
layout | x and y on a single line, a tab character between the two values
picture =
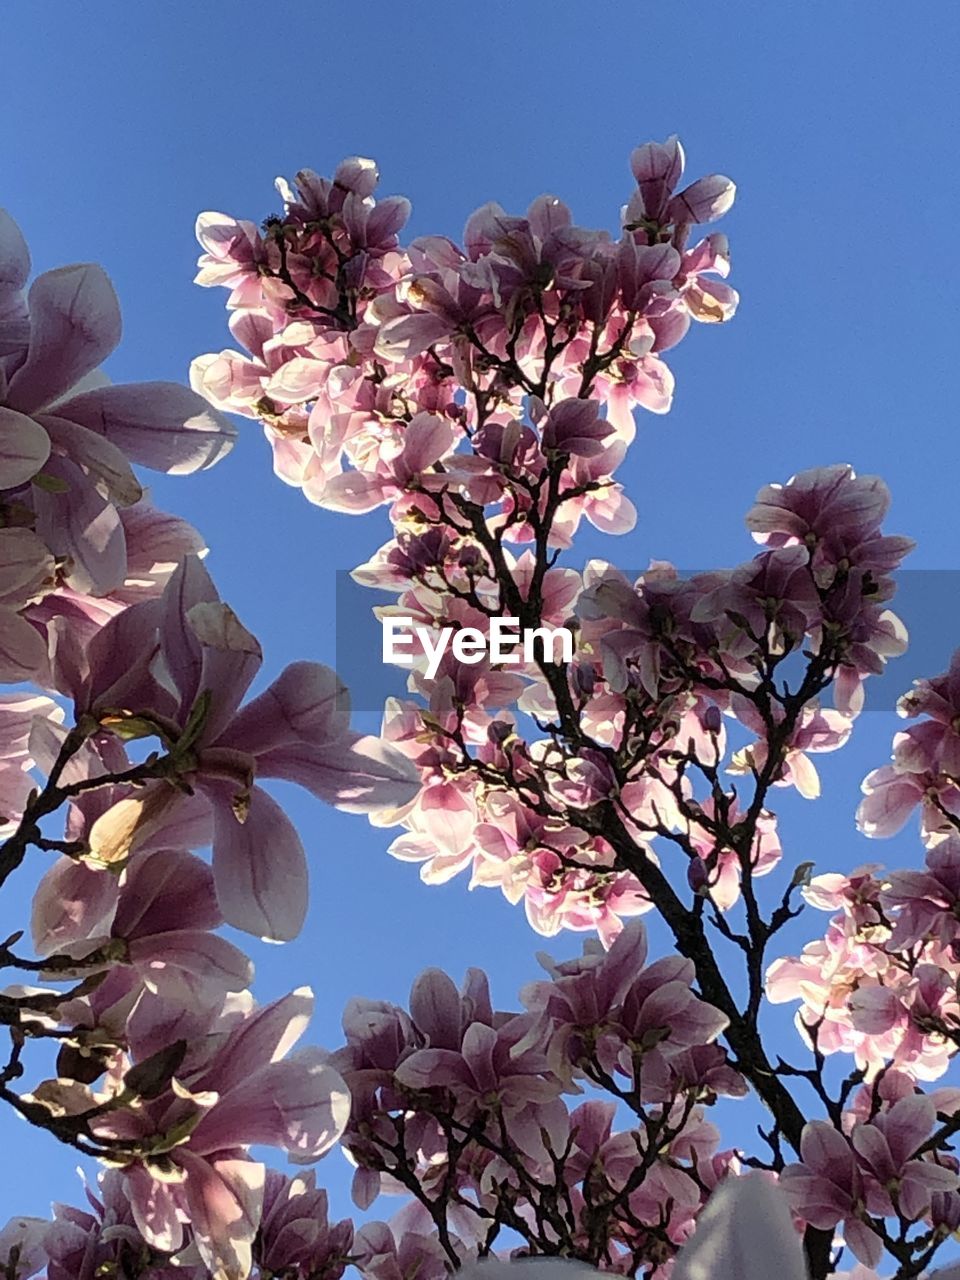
896	1179
489	1070
926	903
816	730
575	427
295	1231
827	1188
718	870
622	1009
658	167
193	649
836	514
381	1255
232	1091
158	920
82	1244
57	418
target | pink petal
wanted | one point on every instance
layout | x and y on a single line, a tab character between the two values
22	648
865	1244
703	201
24	448
908	1124
14	254
300	1105
889	801
189	585
99	458
827	1152
429	1068
154	1210
266	1036
74	325
82	525
26	566
407	336
435	1009
164	890
259	866
224	1202
231	657
657	167
306	703
358	774
72	902
874	1010
190	966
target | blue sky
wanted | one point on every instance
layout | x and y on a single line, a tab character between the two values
837	120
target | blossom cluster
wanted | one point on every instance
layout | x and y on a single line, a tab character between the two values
882	983
668	674
483	393
359	350
136	737
462	1105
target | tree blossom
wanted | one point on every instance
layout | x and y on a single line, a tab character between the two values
198	662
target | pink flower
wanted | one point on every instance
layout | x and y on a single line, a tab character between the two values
57	417
198	661
658	167
382	1256
621	1008
158	921
836	515
827	1188
82	1244
817	730
720	870
232	1091
295	1231
896	1178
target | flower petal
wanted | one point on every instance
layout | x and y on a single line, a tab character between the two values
259	866
74	325
300	1105
745	1231
156	424
358	774
24	448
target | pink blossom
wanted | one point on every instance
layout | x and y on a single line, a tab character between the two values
239	1089
297	729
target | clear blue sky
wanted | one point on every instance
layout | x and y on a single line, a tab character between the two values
837	118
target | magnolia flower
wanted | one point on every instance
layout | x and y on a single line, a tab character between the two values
69	438
157	919
658	167
236	1087
196	662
